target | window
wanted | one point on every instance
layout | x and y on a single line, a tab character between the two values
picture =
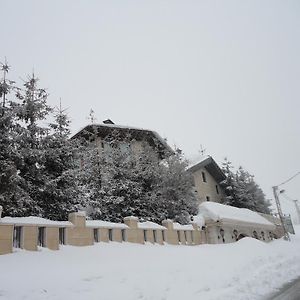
110	234
207	198
41	236
123	234
17	238
145	235
96	235
154	236
217	189
203	177
62	236
163	235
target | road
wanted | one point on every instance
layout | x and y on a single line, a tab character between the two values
290	291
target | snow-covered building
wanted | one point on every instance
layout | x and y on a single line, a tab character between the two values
226	224
138	137
207	179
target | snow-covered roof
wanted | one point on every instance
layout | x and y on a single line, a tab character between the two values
229	214
104	224
194	160
150	225
207	162
34	221
178	226
157	136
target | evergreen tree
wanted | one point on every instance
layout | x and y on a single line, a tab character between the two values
32	110
14	199
60	194
120	183
242	191
229	184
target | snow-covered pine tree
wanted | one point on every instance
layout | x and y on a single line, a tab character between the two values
60	194
120	183
13	197
176	199
229	184
31	110
249	193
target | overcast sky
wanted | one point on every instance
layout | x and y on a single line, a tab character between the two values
222	74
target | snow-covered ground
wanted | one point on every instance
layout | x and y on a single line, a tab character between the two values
248	269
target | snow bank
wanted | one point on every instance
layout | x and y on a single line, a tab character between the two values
34	221
219	212
246	270
104	224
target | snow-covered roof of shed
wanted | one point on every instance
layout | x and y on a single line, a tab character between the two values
104	224
150	225
178	226
34	221
220	212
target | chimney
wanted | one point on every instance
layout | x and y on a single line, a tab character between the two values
108	121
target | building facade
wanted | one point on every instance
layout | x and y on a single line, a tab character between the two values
207	177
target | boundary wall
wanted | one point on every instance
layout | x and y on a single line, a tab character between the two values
30	233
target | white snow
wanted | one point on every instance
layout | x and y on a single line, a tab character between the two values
150	225
196	159
104	224
245	270
177	226
34	221
219	212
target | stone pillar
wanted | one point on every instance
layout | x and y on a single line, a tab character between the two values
134	234
1	209
170	234
52	238
198	235
6	238
78	218
79	235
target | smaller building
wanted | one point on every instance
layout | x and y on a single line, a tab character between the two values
227	224
207	180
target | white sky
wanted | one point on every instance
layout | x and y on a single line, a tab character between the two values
224	74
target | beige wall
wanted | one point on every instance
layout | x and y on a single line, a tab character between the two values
208	188
6	237
80	235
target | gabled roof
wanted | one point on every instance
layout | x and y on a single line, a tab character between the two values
103	130
210	165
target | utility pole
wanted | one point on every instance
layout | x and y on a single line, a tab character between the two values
285	232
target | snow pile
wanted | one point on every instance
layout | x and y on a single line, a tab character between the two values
220	212
246	270
34	221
